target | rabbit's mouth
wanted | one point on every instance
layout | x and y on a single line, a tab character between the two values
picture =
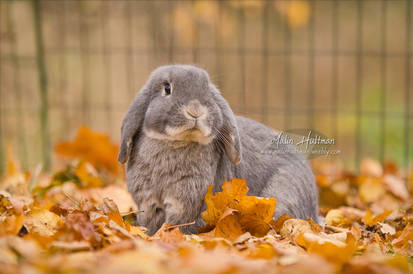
194	132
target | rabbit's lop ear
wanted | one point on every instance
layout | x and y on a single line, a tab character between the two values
231	139
132	124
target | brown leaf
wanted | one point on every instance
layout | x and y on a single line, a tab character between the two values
78	222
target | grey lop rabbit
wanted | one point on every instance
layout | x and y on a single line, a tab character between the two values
180	135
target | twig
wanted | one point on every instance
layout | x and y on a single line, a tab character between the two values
71	199
174	226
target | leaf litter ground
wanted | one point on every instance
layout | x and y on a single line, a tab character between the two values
80	219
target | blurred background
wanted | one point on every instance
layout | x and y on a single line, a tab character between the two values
342	68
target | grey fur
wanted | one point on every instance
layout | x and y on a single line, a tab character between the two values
169	166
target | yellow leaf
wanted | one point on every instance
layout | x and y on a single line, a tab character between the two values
371	189
43	222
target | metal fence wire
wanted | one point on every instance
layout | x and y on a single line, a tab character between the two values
342	68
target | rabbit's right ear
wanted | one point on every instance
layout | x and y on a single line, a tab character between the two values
132	124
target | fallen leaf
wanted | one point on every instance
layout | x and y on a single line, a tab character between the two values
371	168
396	186
92	147
278	224
71	246
387	229
371	189
404	241
369	220
332	250
43	222
255	213
292	228
11	224
335	217
228	226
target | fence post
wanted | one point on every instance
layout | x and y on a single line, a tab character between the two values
41	67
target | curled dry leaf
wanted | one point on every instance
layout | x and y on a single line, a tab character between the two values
292	228
335	217
278	224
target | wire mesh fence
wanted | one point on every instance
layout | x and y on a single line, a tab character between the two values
342	68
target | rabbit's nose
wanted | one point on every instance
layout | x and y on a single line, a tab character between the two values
193	113
194	110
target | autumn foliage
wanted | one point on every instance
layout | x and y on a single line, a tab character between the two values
81	219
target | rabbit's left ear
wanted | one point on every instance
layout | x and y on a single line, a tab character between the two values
229	130
132	123
232	141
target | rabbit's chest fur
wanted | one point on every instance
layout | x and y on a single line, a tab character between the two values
174	174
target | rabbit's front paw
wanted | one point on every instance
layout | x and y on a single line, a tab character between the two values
177	213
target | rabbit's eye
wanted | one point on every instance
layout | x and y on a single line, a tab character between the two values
167	89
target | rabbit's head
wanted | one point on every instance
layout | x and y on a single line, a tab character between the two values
179	103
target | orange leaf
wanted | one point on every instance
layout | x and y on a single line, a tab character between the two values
278	224
11	225
93	147
370	221
328	249
228	226
255	213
